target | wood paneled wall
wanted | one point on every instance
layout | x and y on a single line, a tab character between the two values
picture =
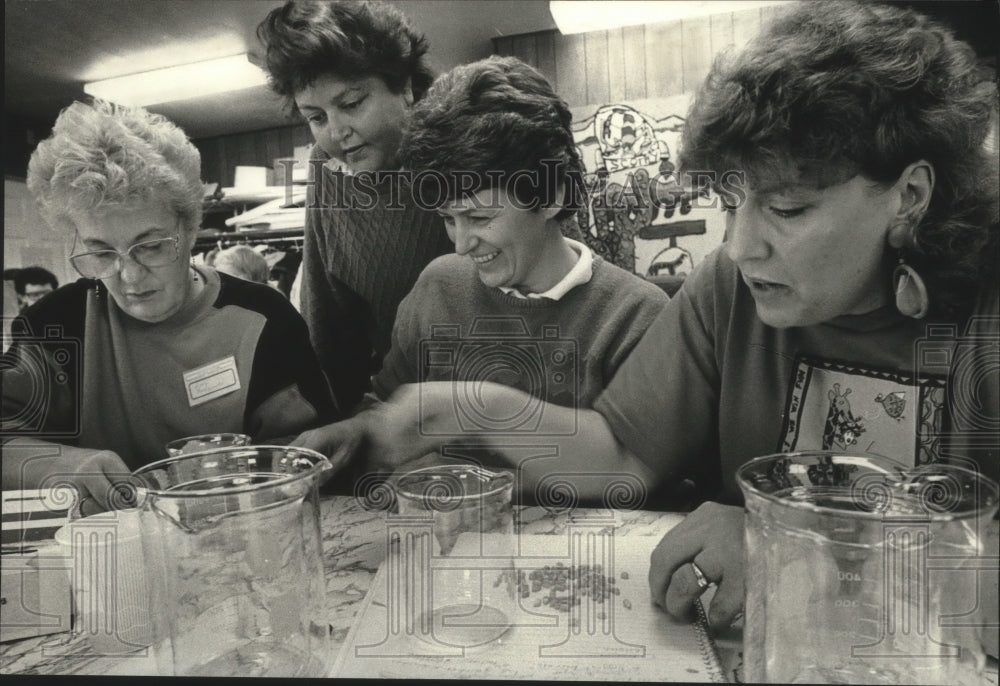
633	62
221	154
630	63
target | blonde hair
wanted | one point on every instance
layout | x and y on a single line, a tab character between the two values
104	154
243	262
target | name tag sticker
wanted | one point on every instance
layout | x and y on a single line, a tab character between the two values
212	381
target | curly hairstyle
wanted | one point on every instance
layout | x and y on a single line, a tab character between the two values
495	121
104	154
348	38
835	89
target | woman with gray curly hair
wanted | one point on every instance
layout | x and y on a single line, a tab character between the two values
146	347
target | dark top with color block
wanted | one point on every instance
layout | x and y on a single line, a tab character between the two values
236	359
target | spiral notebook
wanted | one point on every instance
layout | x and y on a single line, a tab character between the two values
622	638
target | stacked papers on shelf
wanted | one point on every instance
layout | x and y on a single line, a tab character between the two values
277	213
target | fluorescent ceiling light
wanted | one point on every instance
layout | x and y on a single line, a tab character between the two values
179	83
579	16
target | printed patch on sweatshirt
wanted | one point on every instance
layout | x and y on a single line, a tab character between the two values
840	406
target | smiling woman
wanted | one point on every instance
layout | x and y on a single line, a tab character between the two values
174	351
854	307
519	303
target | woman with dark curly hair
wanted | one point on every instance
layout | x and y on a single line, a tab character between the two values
862	245
854	305
519	302
353	70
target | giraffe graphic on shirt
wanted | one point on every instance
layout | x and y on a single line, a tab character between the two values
842	428
835	405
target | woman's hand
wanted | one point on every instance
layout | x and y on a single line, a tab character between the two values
712	538
338	441
403	428
392	431
102	480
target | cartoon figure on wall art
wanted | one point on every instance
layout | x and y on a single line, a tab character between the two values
639	217
626	140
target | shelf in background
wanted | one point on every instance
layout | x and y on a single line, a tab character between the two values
208	239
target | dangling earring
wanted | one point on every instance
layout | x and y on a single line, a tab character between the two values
911	293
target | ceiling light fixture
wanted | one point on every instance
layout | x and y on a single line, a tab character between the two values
577	16
181	82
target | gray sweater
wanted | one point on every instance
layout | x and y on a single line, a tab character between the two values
452	326
363	252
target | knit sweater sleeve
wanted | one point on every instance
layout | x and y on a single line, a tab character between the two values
663	402
335	315
401	363
287	394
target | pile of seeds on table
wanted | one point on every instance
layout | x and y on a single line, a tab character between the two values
550	586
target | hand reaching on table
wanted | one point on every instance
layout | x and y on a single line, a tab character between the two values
402	428
339	441
390	431
712	538
415	421
102	480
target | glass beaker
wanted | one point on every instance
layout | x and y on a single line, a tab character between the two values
860	570
464	563
202	442
234	562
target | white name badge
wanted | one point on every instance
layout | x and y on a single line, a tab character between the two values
212	381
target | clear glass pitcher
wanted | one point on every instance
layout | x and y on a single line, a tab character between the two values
863	571
234	562
458	552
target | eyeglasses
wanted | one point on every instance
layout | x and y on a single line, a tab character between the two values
100	264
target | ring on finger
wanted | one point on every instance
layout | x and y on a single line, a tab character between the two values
699	576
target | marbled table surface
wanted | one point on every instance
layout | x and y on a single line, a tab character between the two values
354	543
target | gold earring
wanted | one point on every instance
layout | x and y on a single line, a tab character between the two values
911	292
